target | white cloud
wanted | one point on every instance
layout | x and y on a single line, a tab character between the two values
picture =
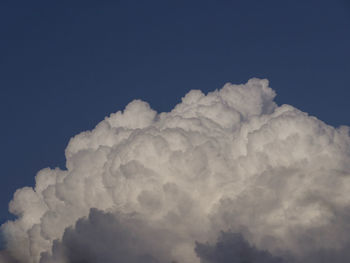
231	160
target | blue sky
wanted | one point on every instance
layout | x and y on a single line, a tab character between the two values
65	65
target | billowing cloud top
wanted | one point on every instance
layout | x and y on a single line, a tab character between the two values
230	167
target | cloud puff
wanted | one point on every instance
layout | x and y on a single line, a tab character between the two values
108	238
231	160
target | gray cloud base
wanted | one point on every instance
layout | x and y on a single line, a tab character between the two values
105	237
231	161
233	248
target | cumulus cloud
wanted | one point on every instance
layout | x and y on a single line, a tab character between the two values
163	186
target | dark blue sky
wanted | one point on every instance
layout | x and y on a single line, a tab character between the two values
66	64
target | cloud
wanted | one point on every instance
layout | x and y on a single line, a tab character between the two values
105	237
6	257
233	248
231	160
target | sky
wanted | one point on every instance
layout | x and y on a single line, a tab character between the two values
65	65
